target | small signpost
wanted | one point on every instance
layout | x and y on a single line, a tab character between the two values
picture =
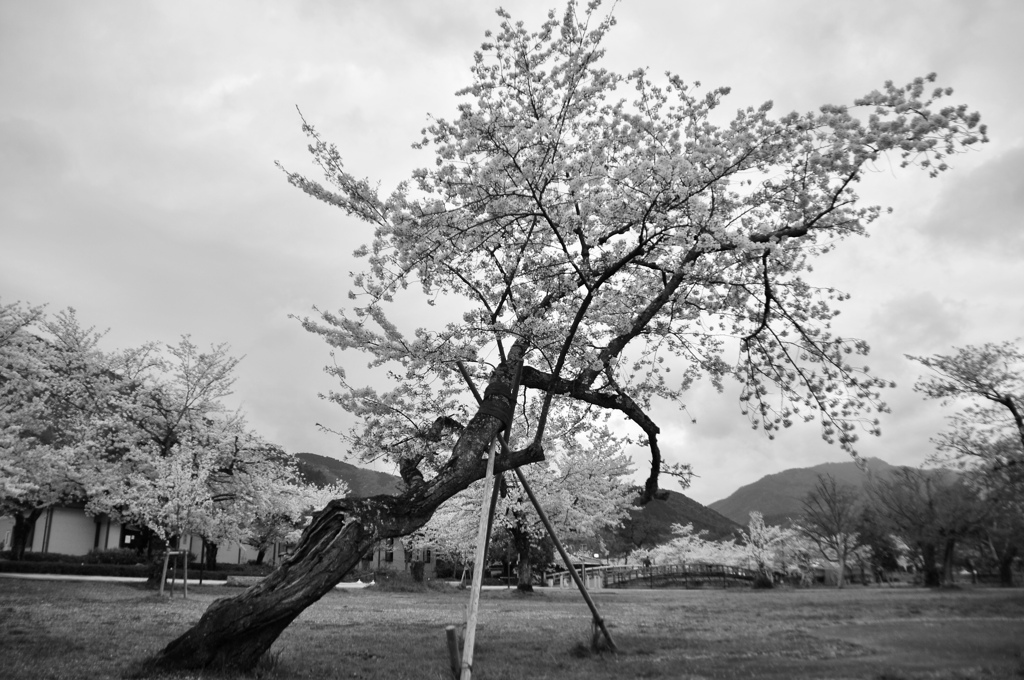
178	554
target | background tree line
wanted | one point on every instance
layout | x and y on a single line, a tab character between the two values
964	512
141	435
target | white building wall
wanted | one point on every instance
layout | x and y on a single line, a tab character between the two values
231	552
401	557
193	544
72	532
67	531
110	534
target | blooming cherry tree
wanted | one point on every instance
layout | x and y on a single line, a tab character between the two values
452	531
765	546
583	488
611	244
55	387
689	546
284	509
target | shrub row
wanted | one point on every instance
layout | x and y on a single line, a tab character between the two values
47	563
95	556
80	569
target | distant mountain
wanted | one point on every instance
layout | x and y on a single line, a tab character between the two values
650	525
778	496
321	470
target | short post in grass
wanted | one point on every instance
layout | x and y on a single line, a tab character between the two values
163	575
453	650
174	570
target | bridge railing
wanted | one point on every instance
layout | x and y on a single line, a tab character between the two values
621	575
593	577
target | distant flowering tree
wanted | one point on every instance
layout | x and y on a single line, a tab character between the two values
689	546
55	391
609	244
765	546
583	488
219	480
452	531
140	435
287	507
184	463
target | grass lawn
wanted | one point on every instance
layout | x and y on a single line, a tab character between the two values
69	630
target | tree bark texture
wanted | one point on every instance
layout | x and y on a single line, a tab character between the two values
211	555
932	574
525	568
235	632
1006	567
841	575
948	555
23	523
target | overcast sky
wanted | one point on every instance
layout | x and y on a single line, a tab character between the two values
137	178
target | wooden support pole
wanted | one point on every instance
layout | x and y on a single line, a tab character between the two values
598	621
478	568
503	441
494	506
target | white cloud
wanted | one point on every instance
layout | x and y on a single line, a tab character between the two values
137	142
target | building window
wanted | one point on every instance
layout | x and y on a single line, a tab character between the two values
131	538
389	550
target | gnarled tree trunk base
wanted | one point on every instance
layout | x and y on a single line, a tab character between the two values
235	632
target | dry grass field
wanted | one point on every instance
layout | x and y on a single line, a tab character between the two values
68	630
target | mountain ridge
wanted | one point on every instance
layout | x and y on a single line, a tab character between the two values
362	483
778	496
651	524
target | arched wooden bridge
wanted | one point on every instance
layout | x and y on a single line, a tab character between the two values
690	575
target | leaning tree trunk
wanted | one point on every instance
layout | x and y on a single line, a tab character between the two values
235	632
521	539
